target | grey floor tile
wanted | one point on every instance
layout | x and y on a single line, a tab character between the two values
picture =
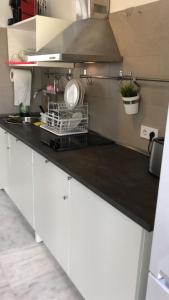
27	270
14	230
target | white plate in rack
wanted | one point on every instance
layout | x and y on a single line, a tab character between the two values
72	94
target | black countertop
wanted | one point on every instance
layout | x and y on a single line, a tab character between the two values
117	174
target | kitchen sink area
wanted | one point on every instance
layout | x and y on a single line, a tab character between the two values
22	120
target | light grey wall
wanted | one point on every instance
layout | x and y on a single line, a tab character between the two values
6	93
5	13
142	37
117	5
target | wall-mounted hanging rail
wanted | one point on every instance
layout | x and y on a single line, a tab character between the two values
122	77
68	75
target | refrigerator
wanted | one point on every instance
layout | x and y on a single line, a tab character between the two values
158	281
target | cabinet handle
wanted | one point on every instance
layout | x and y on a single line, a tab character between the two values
65	197
8	148
46	161
69	177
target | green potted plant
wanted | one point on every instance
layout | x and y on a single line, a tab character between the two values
130	97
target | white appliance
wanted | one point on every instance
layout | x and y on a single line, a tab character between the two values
158	282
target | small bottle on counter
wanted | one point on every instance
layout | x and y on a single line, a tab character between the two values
23	110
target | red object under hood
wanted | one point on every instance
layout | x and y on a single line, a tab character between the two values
28	8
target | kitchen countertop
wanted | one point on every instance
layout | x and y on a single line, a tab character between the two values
117	174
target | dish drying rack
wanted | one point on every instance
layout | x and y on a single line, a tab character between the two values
63	121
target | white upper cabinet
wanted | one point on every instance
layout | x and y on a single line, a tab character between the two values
35	33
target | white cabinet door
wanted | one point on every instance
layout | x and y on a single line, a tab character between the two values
157	289
105	248
21	177
51	189
4	159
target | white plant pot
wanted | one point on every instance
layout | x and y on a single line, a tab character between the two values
131	104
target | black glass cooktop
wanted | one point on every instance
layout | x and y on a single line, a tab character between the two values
71	142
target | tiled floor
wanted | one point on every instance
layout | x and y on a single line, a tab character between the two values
27	270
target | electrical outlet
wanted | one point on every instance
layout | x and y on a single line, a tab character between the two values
145	132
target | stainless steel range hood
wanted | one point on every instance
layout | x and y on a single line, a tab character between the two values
89	39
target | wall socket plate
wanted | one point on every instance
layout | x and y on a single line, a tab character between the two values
145	132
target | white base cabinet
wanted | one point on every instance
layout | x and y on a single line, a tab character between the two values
51	189
105	253
21	177
105	250
4	159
